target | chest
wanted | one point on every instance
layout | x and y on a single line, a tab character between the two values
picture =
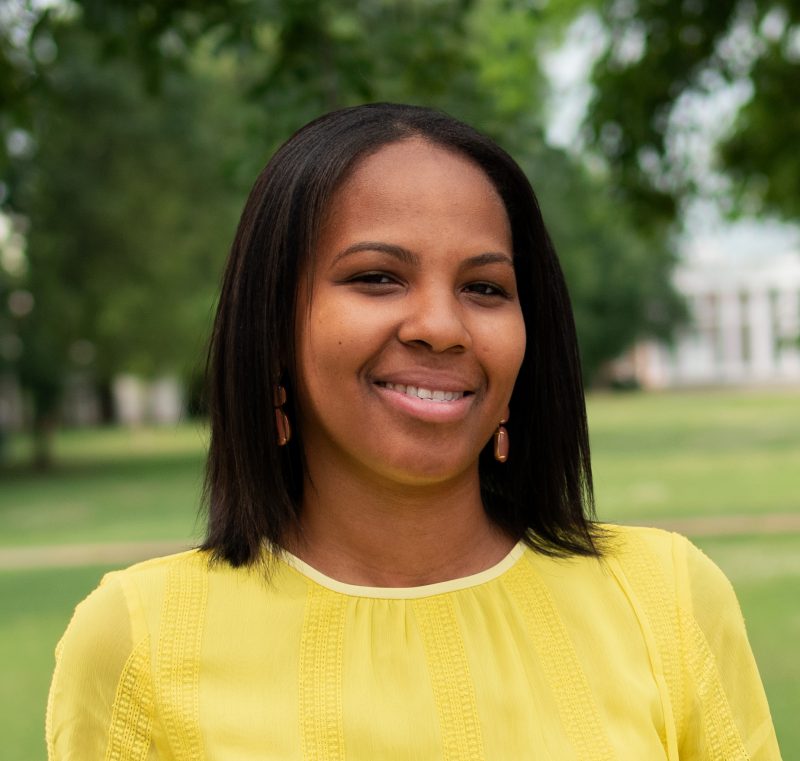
468	677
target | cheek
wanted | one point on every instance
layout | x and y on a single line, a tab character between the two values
333	343
519	346
504	351
333	335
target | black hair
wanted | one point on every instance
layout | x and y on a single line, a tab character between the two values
253	486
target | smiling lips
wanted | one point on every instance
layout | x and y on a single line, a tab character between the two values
428	405
430	395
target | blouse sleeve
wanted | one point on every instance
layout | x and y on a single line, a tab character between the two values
100	703
727	715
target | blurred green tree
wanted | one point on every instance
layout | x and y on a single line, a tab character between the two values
130	209
141	126
619	273
661	56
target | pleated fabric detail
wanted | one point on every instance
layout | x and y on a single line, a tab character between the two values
155	662
655	605
321	644
677	634
451	682
723	740
559	661
180	640
132	716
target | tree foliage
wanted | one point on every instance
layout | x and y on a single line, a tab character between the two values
660	55
130	211
618	274
140	127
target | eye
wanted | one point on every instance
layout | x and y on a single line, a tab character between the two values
373	278
374	282
487	289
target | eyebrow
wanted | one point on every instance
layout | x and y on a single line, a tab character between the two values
398	252
408	257
490	257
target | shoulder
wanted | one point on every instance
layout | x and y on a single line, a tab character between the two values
119	609
158	568
651	556
101	694
696	623
661	567
151	576
623	541
682	597
117	620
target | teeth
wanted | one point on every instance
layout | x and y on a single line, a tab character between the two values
433	395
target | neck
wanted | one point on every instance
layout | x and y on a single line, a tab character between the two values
374	534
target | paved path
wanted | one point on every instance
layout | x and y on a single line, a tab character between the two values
125	553
71	555
730	525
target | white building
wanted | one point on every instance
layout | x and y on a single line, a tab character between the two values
744	326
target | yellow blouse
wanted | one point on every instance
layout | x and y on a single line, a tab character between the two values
642	655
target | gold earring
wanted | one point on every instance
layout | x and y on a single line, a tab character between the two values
281	421
501	440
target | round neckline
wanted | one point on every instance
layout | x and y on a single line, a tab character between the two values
405	593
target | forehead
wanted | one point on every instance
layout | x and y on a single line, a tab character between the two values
415	180
418	163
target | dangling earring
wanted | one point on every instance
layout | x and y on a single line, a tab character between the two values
281	421
501	440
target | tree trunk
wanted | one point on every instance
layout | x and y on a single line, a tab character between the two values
44	428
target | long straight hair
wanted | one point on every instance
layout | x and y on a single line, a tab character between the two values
253	487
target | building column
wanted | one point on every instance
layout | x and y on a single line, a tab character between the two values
762	340
730	327
788	324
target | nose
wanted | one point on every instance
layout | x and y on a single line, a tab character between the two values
435	319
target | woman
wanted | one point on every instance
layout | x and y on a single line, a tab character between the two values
400	561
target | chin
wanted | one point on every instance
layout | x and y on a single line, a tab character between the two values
429	470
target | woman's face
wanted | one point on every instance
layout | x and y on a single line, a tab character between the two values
413	337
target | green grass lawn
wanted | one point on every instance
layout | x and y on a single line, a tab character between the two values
37	606
656	456
695	454
114	484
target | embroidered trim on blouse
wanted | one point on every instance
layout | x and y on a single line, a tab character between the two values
320	677
132	716
183	621
451	682
573	696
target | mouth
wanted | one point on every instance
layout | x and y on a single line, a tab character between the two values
426	394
